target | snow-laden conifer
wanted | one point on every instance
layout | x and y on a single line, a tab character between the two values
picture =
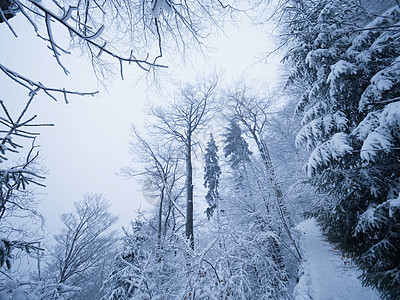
212	171
236	147
347	61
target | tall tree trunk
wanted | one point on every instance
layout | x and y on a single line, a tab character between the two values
262	147
189	192
160	216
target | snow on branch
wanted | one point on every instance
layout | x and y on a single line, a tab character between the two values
383	137
89	39
380	85
7	246
321	128
325	153
17	177
34	87
5	15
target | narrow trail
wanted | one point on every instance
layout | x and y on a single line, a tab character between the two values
325	275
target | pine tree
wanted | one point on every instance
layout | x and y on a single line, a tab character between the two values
212	171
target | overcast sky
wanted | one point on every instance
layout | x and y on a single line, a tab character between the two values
89	142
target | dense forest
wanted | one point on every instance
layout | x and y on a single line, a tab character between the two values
231	168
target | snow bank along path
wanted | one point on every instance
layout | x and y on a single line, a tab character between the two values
324	274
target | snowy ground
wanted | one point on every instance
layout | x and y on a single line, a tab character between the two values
326	276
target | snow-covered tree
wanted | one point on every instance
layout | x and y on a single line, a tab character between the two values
160	171
212	171
347	60
180	121
236	147
83	245
251	246
251	110
20	173
241	258
143	271
103	31
129	277
250	242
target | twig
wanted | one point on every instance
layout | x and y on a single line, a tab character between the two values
34	87
89	40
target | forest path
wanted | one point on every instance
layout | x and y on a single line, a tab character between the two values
325	275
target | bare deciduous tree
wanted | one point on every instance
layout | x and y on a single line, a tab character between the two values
83	242
178	122
160	174
124	31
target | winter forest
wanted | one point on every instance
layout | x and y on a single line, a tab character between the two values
288	188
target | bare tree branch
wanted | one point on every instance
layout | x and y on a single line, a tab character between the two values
35	87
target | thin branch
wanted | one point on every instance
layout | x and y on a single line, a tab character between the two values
3	17
159	40
53	44
34	87
383	102
89	40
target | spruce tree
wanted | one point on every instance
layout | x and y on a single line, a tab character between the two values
212	171
236	147
348	63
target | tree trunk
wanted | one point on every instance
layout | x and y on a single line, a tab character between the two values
189	193
160	216
277	189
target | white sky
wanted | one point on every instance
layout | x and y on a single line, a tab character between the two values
89	142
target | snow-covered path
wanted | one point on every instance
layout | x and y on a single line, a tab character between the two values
325	275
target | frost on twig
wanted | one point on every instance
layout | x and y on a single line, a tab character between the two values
93	39
17	177
7	246
35	87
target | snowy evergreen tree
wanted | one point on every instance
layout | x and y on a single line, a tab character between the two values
128	278
236	147
251	236
212	171
348	63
